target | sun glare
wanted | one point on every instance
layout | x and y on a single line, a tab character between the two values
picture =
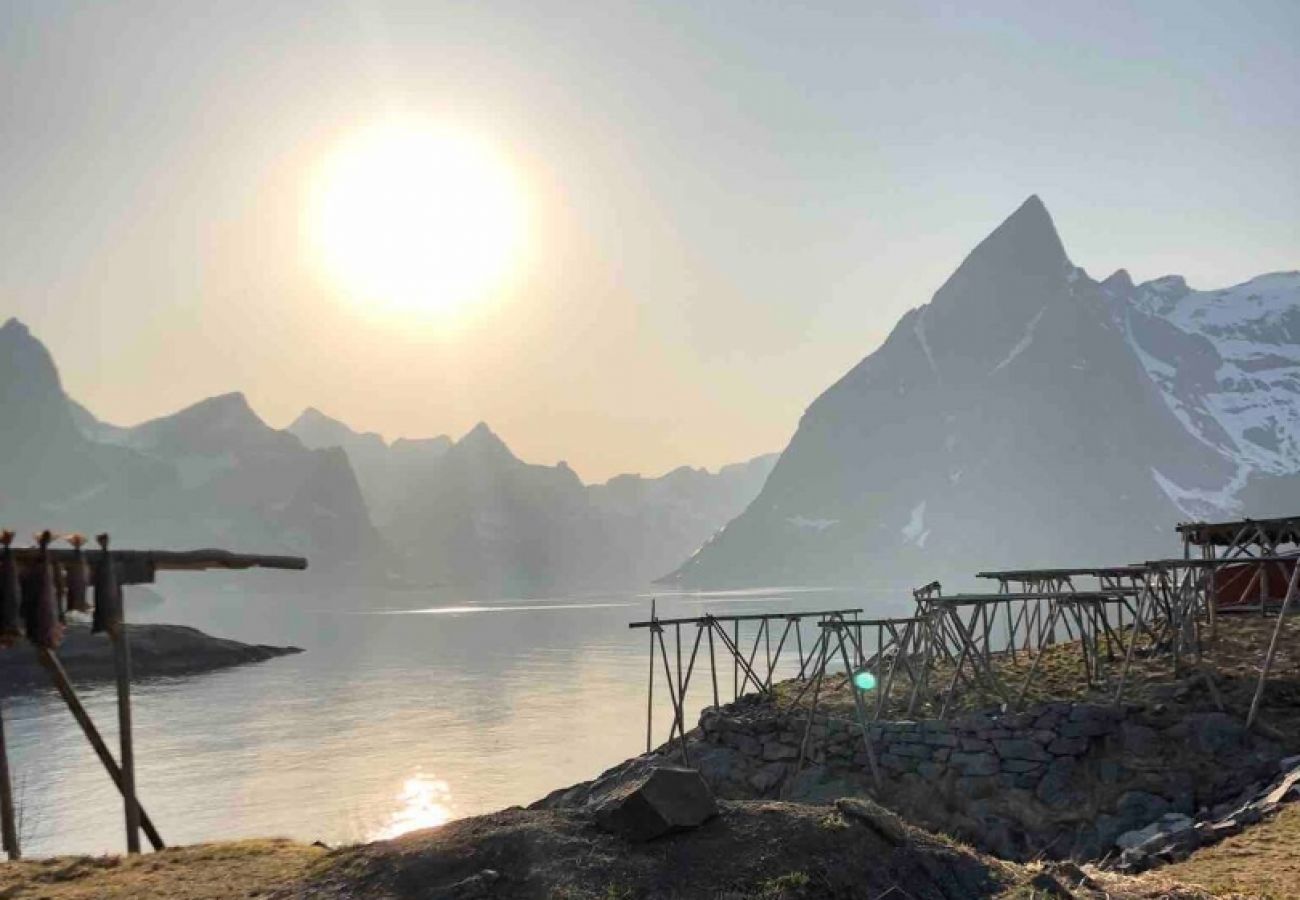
410	218
422	803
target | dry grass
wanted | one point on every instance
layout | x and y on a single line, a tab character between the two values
1263	861
199	872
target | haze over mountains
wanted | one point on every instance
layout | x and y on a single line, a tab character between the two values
1031	415
465	514
470	514
1028	415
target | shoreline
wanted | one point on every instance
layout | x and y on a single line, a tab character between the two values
157	651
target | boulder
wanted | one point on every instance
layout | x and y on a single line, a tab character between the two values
661	801
885	822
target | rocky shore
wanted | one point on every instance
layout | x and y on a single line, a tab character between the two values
156	651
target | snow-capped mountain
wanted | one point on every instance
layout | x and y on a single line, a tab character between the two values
1227	364
1030	415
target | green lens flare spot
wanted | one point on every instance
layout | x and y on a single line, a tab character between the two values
864	681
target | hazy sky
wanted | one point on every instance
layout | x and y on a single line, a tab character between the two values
730	204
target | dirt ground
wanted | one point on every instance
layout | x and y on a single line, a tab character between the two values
752	851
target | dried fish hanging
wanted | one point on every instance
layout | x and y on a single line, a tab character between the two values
11	596
77	576
43	626
108	595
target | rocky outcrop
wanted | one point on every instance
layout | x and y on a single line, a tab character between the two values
156	651
1174	836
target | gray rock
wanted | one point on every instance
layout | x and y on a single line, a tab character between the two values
974	763
931	771
940	740
775	750
1059	788
1139	807
661	801
1068	746
1139	740
1022	765
977	786
916	751
1020	748
1170	824
884	822
768	777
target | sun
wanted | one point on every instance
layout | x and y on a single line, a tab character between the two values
414	219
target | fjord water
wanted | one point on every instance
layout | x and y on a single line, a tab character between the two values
406	709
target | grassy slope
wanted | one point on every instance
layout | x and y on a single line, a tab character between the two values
199	872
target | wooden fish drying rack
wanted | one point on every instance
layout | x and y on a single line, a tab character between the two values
131	567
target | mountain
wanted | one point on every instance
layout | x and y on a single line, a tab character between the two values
479	518
1030	415
651	524
213	474
384	470
474	516
471	514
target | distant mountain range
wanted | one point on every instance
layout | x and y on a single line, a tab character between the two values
1028	415
472	515
466	514
1031	415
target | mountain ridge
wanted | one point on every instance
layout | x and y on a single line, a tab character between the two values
1014	396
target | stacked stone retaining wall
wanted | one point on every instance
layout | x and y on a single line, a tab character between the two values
1060	780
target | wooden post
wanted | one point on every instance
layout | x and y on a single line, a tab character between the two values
713	666
122	667
1272	648
650	690
672	694
8	825
69	695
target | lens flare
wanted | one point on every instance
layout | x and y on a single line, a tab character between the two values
864	680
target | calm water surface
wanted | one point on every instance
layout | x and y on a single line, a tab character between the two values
406	709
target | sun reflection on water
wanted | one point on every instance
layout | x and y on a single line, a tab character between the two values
424	803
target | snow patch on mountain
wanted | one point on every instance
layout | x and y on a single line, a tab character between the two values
915	532
1204	504
816	525
1226	362
919	329
1026	339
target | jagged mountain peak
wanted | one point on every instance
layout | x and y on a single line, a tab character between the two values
30	392
1118	282
24	358
482	441
228	410
316	429
1026	240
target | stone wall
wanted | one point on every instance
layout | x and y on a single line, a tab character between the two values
1062	779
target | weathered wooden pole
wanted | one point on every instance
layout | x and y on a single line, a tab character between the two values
650	690
8	826
1272	648
122	667
672	693
713	666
